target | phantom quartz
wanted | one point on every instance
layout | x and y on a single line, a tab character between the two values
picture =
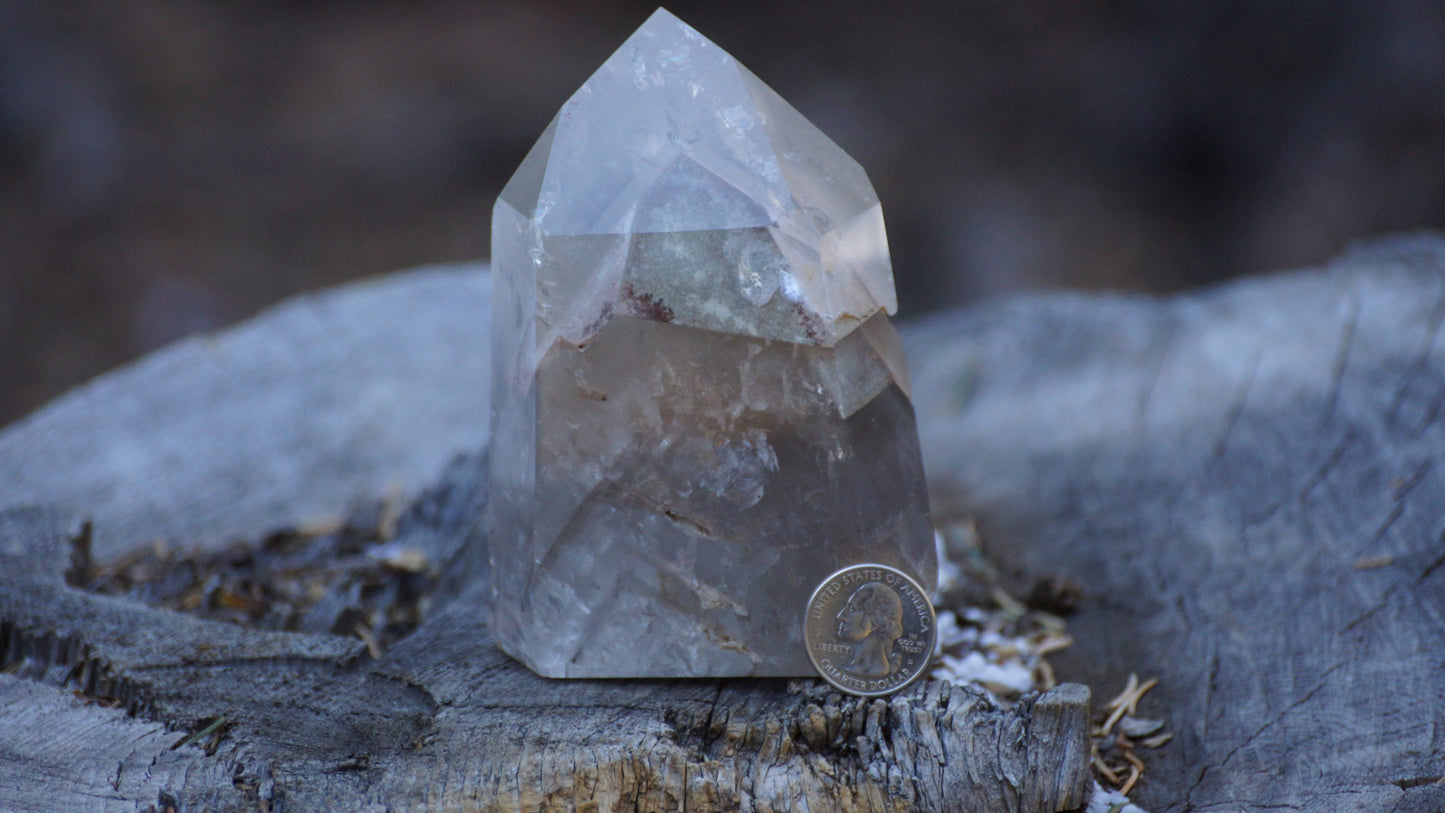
699	406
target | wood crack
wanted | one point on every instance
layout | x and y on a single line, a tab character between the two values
1236	408
1419	364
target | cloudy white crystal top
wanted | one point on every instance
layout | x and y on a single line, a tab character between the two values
691	193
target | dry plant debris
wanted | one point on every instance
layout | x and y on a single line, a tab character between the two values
989	638
985	635
346	578
1120	733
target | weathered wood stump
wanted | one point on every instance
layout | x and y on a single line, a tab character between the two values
445	721
1247	484
1243	483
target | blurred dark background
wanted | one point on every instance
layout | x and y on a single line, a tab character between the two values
171	166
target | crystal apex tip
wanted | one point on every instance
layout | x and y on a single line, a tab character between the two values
677	175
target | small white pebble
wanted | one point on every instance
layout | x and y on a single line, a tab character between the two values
950	634
1104	801
975	615
975	668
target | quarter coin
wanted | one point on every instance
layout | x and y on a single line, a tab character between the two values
869	629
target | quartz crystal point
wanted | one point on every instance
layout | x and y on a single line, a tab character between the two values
699	406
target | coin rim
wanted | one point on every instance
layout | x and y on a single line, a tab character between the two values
807	644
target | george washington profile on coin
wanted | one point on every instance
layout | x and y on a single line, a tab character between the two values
872	619
869	629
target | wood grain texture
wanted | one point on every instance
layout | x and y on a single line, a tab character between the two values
282	420
446	722
1248	484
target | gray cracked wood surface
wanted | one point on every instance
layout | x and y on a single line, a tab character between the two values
279	421
1247	483
444	721
1242	480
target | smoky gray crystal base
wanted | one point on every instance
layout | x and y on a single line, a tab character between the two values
687	488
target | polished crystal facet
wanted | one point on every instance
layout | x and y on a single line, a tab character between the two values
700	408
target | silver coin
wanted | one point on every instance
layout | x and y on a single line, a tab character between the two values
870	630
